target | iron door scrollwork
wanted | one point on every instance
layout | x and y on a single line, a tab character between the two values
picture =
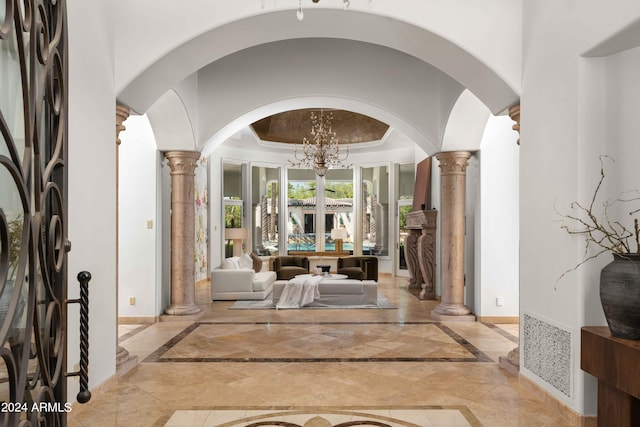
33	212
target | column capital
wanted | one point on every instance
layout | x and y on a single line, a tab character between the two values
182	162
514	113
122	113
453	162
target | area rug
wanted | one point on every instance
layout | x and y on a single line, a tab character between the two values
267	304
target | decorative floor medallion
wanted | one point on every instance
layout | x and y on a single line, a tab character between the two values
434	416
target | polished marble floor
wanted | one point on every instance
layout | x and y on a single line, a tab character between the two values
388	361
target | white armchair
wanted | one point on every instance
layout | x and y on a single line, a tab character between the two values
230	281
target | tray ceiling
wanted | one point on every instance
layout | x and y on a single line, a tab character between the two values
292	126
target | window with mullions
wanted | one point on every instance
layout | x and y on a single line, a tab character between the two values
311	219
301	219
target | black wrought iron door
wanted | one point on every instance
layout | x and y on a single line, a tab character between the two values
33	223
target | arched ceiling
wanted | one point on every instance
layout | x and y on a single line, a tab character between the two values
393	87
455	52
195	53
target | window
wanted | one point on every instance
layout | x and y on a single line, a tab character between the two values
317	206
301	221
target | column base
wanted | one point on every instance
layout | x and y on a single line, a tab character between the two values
452	312
125	362
511	362
183	310
453	318
448	309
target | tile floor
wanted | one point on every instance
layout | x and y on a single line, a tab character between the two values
317	362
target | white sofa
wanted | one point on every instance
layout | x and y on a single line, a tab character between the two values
233	280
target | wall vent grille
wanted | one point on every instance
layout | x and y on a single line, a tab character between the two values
547	353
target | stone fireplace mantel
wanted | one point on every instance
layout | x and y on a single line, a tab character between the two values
420	251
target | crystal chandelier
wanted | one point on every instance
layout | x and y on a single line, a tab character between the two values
323	150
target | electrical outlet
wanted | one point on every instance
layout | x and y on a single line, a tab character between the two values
149	223
500	301
132	300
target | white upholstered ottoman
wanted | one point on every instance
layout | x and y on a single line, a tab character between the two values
337	292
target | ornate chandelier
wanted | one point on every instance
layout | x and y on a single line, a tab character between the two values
323	150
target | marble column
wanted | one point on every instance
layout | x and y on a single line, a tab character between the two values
182	165
453	167
511	362
124	361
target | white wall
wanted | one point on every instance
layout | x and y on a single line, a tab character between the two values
164	209
92	179
138	243
610	92
616	102
471	210
437	205
498	271
557	153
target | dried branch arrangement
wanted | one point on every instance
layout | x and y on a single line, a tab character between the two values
601	231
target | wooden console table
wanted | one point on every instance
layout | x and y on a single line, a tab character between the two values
616	364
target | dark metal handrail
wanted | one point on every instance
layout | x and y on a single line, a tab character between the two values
84	395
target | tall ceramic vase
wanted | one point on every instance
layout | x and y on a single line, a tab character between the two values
620	295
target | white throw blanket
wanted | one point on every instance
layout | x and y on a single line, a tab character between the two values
299	292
